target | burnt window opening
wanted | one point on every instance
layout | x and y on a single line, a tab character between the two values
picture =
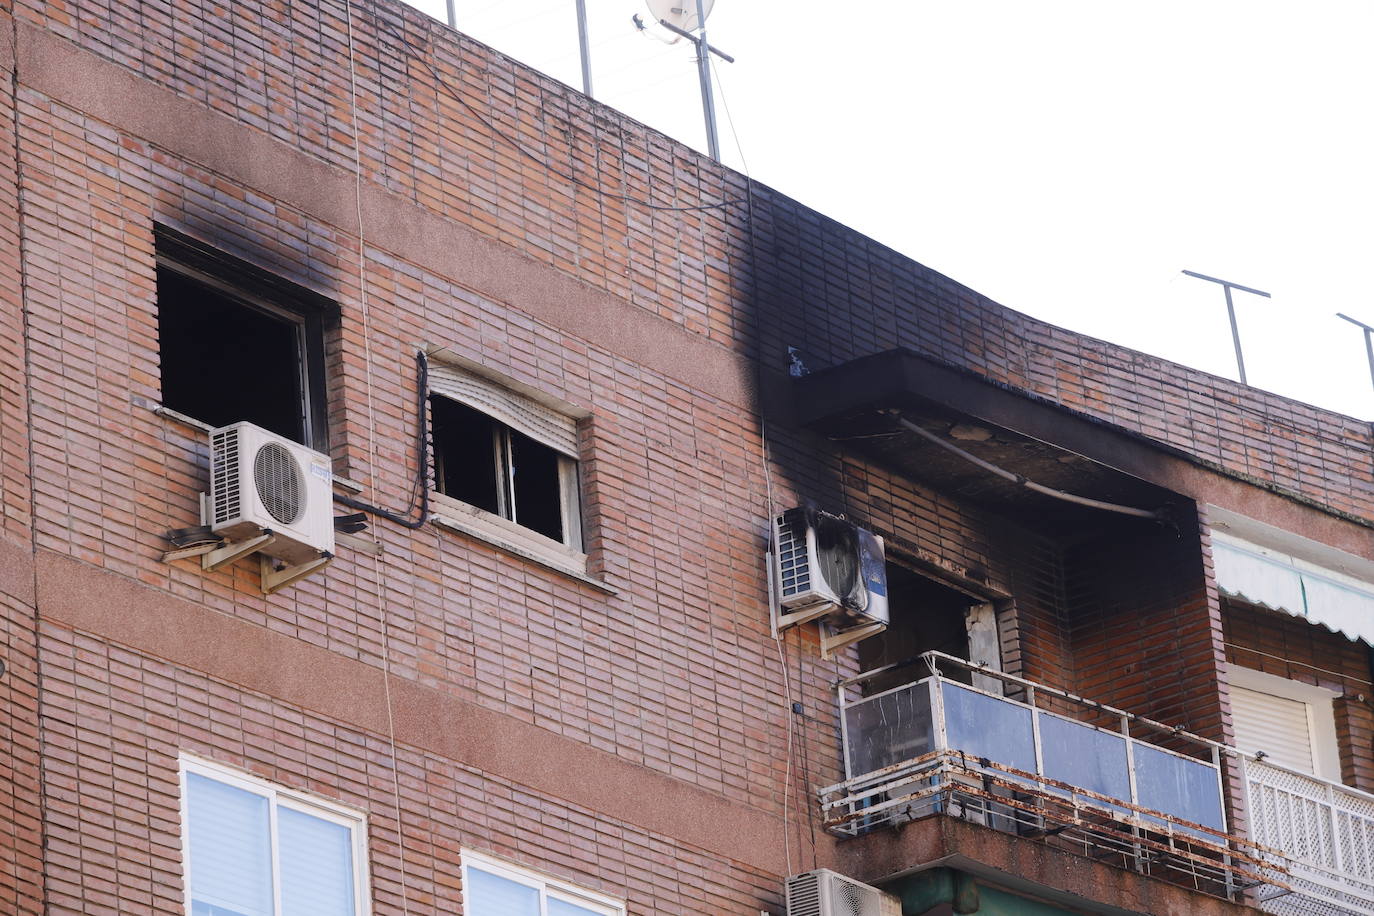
238	343
480	461
923	616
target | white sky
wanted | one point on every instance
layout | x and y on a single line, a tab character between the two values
1067	159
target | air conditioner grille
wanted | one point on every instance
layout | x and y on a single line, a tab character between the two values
804	895
281	488
849	899
794	569
224	446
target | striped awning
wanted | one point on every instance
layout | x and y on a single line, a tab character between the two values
1277	580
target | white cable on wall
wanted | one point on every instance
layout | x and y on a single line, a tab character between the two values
372	446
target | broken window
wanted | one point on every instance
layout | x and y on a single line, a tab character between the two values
237	343
923	615
505	454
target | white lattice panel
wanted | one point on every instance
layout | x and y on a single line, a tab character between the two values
1327	834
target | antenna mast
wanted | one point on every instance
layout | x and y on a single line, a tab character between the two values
708	103
1231	313
1368	339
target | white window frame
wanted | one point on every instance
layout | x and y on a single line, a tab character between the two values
567	555
277	796
1321	714
549	888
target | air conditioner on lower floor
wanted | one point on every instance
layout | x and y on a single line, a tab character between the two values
826	893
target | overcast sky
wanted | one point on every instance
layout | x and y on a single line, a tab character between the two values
1068	159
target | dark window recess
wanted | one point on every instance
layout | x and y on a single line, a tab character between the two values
535	482
465	454
237	343
924	615
484	463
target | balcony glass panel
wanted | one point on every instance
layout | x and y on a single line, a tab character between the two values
889	728
1180	786
1085	757
986	726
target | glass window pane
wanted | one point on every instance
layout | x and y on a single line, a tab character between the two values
564	908
316	861
1180	786
985	726
1084	757
230	851
492	895
889	728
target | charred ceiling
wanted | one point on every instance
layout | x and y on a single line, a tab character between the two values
953	445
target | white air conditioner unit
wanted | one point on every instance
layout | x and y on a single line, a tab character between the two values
262	482
826	566
825	893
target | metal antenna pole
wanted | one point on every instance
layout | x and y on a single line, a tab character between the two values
1235	334
1231	313
452	15
1368	340
708	103
584	47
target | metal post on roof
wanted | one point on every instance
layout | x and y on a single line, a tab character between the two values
452	15
1368	340
583	46
704	48
1231	313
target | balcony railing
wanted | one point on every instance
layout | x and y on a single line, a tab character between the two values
939	746
1327	833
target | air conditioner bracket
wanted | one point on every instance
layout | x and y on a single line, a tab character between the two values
832	642
181	553
805	615
223	556
274	578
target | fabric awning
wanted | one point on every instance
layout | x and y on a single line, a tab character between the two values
1282	582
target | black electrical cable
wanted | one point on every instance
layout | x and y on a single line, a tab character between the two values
420	492
421	56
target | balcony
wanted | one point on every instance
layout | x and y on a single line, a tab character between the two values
1062	770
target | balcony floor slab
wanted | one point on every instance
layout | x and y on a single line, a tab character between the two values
1021	865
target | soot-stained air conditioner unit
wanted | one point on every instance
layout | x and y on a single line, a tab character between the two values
824	566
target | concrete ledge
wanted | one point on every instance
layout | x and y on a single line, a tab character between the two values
1020	864
16	571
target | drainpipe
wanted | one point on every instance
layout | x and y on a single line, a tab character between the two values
928	889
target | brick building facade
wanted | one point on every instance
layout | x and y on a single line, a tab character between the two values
606	707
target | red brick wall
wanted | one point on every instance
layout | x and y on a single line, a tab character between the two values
785	277
20	816
1291	648
1143	635
116	720
14	457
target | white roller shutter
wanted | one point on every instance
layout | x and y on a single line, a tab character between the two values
1276	725
1292	722
541	423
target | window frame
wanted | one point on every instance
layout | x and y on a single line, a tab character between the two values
1323	739
503	459
569	554
252	287
549	888
277	796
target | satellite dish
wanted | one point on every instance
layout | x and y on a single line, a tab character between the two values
681	13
